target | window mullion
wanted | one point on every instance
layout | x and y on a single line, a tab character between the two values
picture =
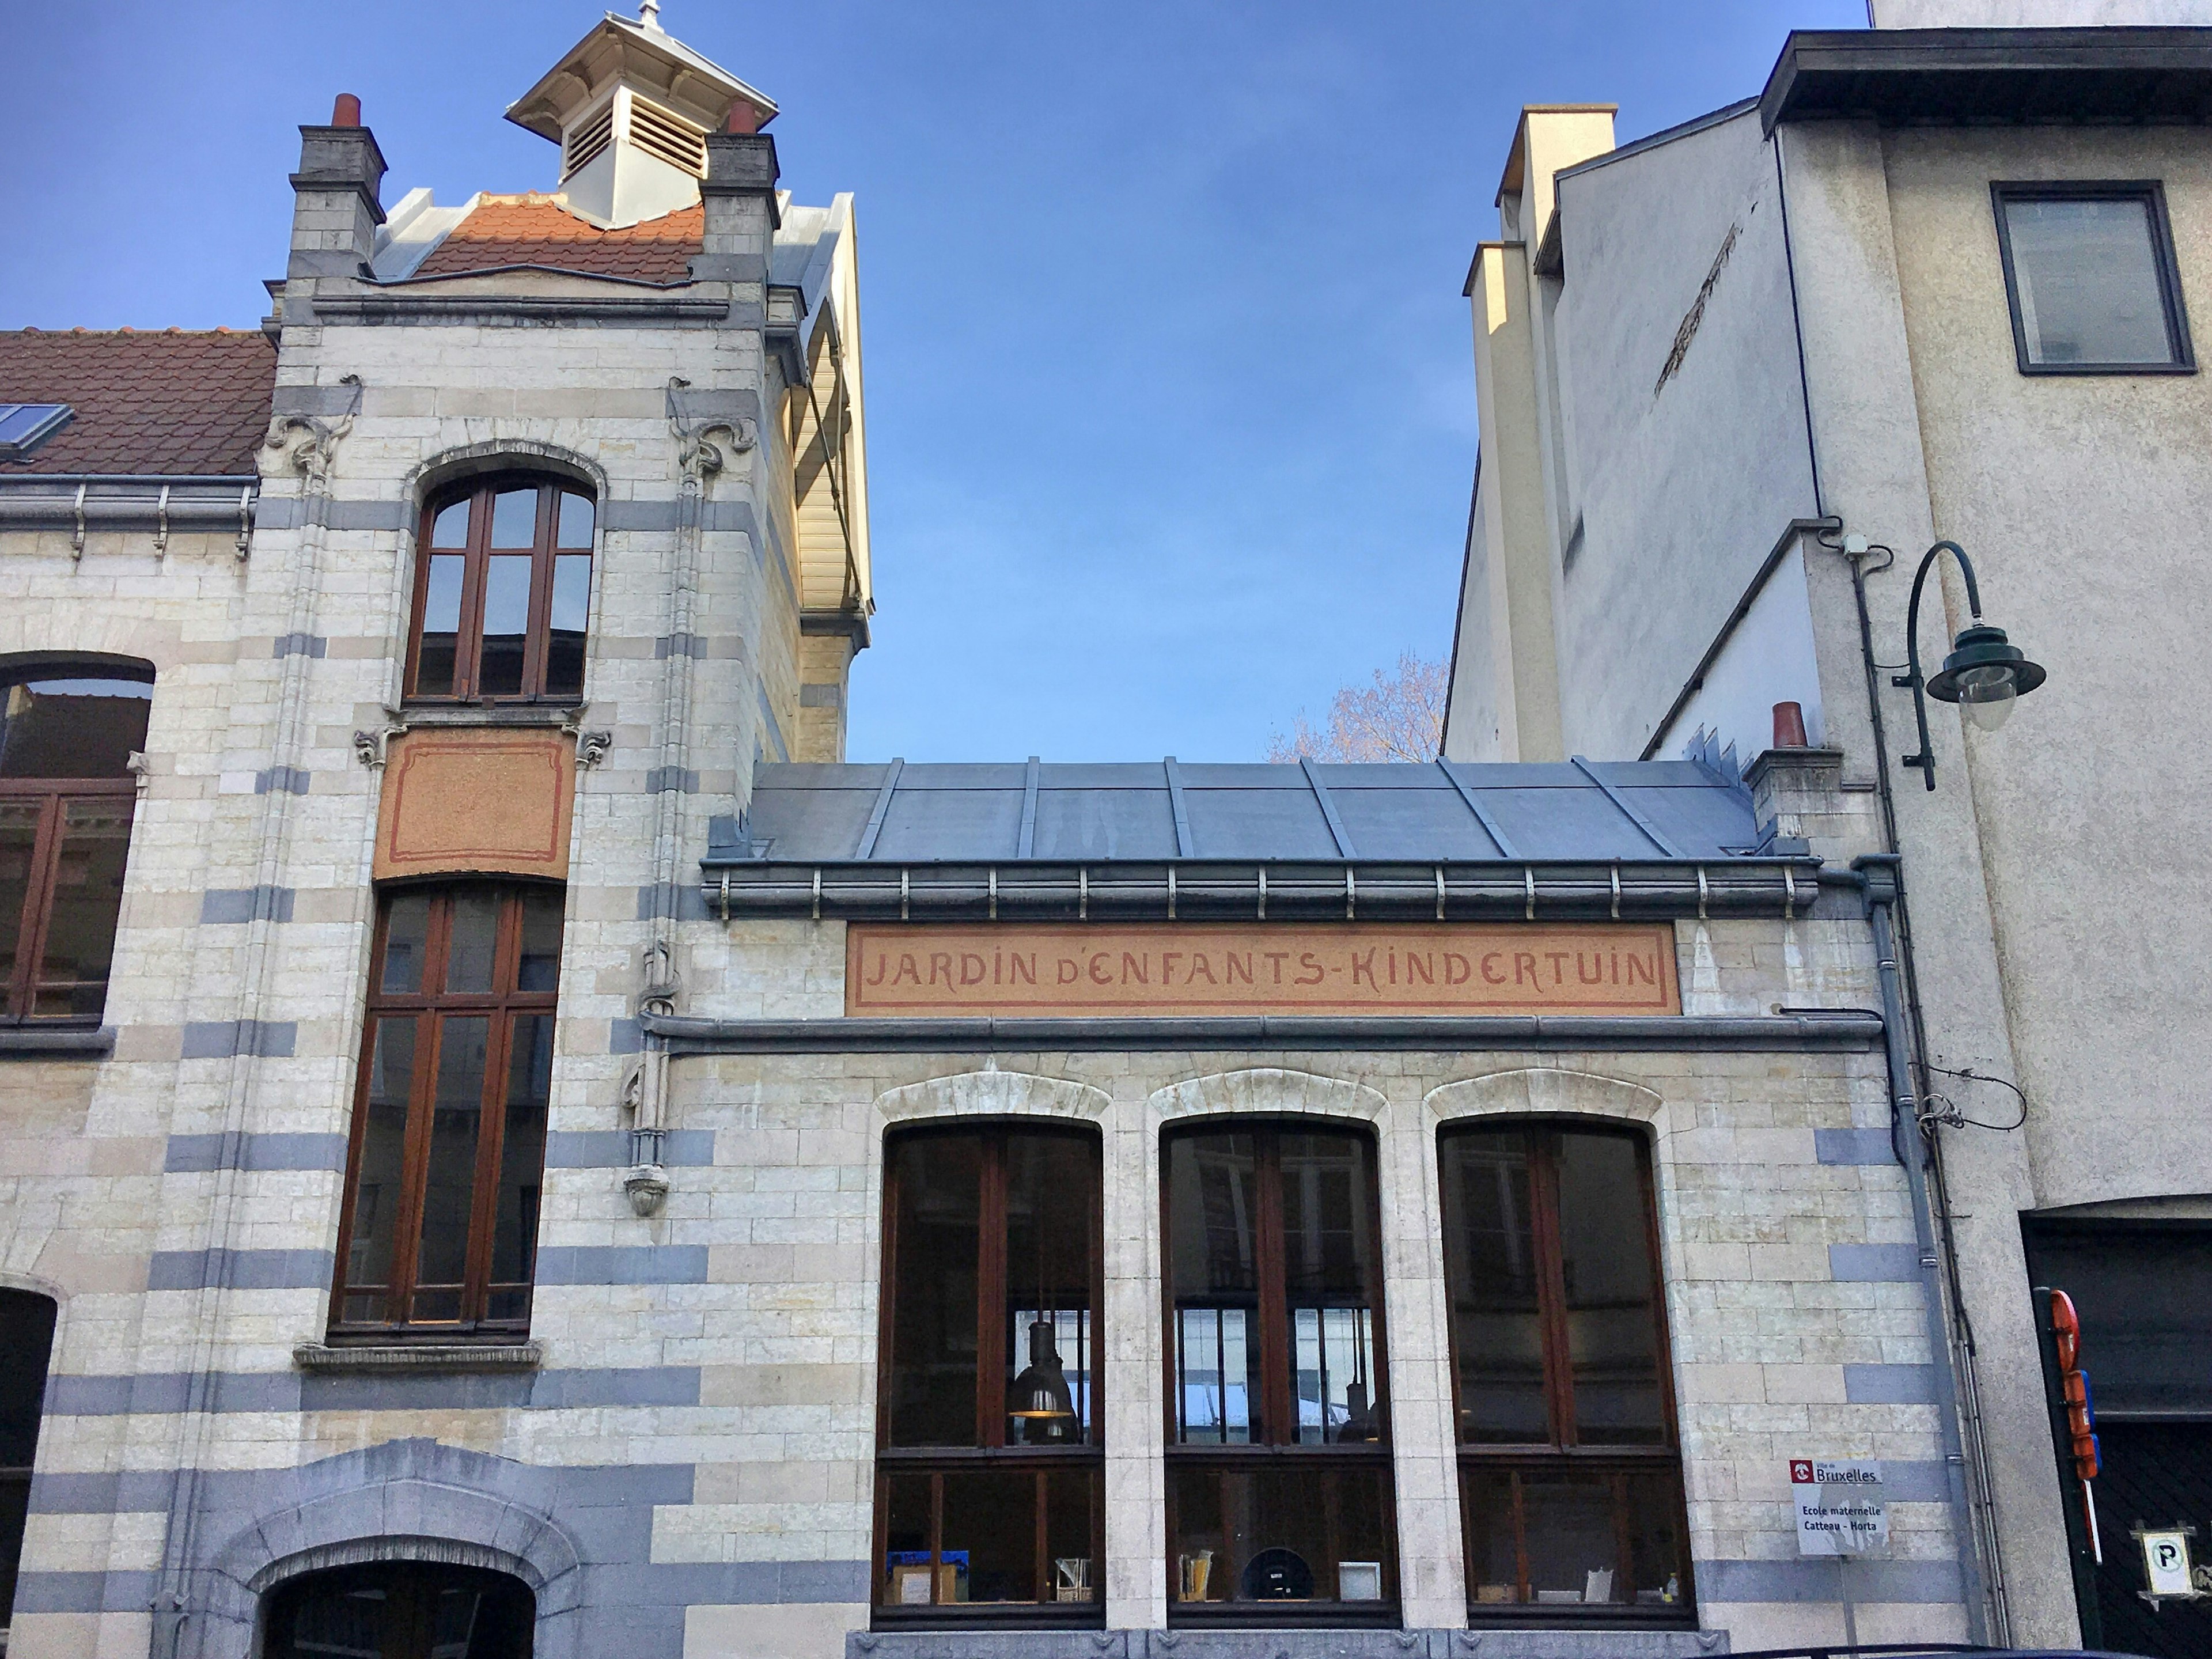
1551	1298
991	1297
537	627
1274	1318
468	649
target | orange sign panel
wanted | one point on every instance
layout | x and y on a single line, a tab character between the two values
477	800
1164	969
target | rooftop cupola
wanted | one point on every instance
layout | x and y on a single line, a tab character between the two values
630	106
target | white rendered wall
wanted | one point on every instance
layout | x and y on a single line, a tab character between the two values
1768	659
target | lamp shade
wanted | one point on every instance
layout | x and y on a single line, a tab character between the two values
1985	675
1039	1396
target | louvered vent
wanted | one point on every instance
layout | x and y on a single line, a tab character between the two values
670	138
586	142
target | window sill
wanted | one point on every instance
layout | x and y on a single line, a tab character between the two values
553	714
63	1042
409	1358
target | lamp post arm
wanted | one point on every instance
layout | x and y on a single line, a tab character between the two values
1925	760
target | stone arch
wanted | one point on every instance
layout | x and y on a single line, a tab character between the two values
1545	1092
94	636
1269	1091
406	1500
502	455
993	1094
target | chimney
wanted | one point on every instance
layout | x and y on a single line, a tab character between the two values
335	209
632	109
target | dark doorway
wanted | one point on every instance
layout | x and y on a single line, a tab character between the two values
27	1342
2144	1291
401	1610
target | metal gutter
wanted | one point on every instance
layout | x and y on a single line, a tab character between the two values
82	502
1229	891
1846	1030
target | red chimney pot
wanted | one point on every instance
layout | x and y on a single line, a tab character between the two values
743	118
346	113
1789	726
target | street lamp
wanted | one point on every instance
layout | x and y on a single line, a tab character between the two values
1984	675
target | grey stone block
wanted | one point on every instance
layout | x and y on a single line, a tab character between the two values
611	1148
1853	1147
221	906
622	1264
1890	1385
1874	1263
193	1154
242	1270
1815	1579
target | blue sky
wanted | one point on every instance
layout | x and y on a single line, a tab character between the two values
1171	409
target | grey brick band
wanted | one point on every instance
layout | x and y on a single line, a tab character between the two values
1853	1147
197	1154
220	905
611	1148
239	1270
1890	1385
163	1392
1815	1580
221	1039
1874	1263
622	1264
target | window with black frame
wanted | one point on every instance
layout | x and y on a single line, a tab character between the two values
68	731
439	1236
502	593
989	1489
1571	1478
1279	1504
2091	280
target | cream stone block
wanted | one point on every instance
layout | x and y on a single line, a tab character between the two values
797	1630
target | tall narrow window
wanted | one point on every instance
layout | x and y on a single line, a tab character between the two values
26	1340
2090	272
1569	1475
988	1489
1278	1458
439	1234
502	590
67	734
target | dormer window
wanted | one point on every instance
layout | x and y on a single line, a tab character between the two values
502	593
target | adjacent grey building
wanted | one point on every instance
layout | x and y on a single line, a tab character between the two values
1930	284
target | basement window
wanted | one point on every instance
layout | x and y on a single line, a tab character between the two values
2090	274
24	427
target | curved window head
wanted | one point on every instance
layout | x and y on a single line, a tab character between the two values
502	592
68	730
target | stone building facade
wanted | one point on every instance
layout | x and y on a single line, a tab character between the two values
485	1089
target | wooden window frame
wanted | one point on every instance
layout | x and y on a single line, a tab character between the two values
1563	1453
501	1007
2150	192
19	993
1277	1392
990	1453
545	549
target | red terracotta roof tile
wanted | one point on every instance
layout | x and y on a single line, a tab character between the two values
168	402
537	230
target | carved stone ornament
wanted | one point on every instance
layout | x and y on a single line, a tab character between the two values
647	1187
591	747
373	748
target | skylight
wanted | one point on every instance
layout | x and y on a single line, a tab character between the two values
24	427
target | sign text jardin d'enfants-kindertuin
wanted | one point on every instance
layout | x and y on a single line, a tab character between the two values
1164	969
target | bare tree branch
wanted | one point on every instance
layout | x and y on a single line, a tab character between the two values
1400	717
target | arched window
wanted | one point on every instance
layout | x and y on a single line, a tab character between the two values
1571	1477
67	732
401	1610
439	1233
1279	1488
26	1340
988	1489
502	592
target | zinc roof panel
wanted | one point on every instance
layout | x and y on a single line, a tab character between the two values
1258	822
932	825
1080	824
1395	821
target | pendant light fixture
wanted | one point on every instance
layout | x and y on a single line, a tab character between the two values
1040	1399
